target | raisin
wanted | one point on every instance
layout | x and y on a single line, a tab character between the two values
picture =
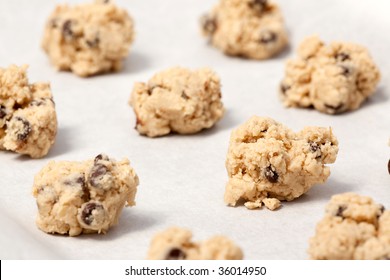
271	175
175	254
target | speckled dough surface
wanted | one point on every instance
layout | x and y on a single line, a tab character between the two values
83	197
267	162
176	244
88	39
248	28
177	100
28	121
332	78
354	227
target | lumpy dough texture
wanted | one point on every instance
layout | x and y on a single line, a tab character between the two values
83	197
176	244
28	120
177	100
354	227
332	78
267	162
247	28
88	39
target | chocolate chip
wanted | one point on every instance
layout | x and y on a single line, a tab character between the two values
101	157
268	37
151	88
54	23
98	171
381	210
209	24
23	134
175	254
17	106
341	210
271	174
184	95
76	180
93	43
336	109
67	29
342	56
260	4
2	111
315	148
345	71
38	102
284	88
388	166
138	122
86	215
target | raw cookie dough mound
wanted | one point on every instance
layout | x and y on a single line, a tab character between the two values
332	78
88	39
176	244
267	162
354	227
83	197
177	100
248	28
28	120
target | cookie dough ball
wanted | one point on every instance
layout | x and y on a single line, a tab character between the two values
88	39
267	162
176	244
177	100
83	197
354	227
248	28
332	78
28	120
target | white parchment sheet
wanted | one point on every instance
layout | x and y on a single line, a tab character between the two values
182	178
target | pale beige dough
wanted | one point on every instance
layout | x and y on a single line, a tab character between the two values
332	78
28	120
354	227
88	39
267	162
249	28
83	197
177	100
176	244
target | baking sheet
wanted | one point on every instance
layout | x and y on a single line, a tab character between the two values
182	178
